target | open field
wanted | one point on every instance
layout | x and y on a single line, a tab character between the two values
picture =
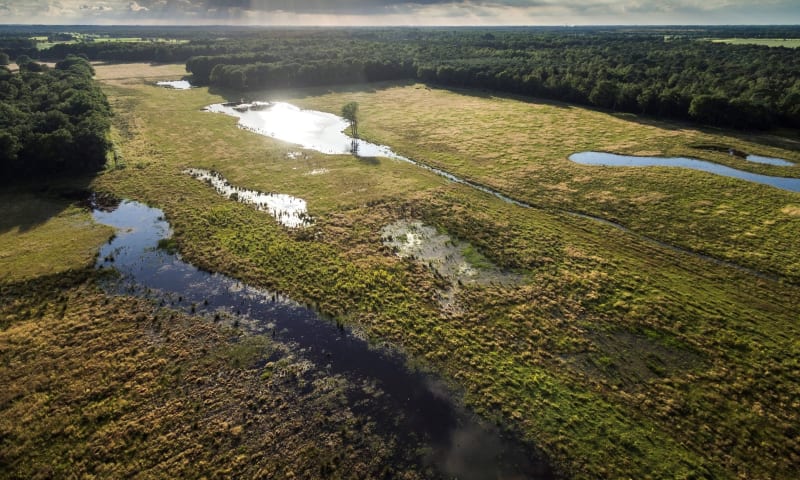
769	42
520	148
45	235
617	356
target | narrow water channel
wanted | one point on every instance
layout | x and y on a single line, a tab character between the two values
414	407
614	160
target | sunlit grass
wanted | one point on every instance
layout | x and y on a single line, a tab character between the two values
45	235
520	147
769	42
543	357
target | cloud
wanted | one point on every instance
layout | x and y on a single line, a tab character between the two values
100	7
135	7
412	12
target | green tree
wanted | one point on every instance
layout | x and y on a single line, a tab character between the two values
22	61
4	60
350	113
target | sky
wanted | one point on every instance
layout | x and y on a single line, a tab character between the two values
386	12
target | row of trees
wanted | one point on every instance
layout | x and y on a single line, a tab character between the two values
741	86
53	121
662	71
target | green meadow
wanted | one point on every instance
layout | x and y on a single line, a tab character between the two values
769	42
668	350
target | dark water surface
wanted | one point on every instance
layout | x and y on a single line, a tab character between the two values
414	407
614	160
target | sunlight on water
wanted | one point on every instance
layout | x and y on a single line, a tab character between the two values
176	84
288	210
320	131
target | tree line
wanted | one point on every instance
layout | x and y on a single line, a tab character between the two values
669	72
742	86
52	121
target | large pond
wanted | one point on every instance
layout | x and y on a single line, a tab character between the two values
614	160
413	406
320	131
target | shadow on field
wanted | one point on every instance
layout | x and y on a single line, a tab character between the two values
27	206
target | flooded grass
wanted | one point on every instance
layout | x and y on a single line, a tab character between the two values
415	410
286	209
456	261
114	387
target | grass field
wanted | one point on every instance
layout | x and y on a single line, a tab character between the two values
45	235
521	149
617	356
769	42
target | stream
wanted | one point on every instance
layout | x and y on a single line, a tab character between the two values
614	160
414	407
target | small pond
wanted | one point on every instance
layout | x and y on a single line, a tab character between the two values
413	407
614	160
175	84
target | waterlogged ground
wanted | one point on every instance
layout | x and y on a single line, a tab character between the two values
286	209
456	261
422	427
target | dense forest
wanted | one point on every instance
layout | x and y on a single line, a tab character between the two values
52	121
742	86
670	72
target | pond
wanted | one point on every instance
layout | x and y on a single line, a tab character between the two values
614	160
413	406
320	131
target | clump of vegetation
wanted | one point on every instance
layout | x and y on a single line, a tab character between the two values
350	113
52	123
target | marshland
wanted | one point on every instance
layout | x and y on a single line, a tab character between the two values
546	318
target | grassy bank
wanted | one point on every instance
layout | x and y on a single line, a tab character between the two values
616	356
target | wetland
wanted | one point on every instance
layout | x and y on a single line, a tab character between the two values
440	309
414	409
